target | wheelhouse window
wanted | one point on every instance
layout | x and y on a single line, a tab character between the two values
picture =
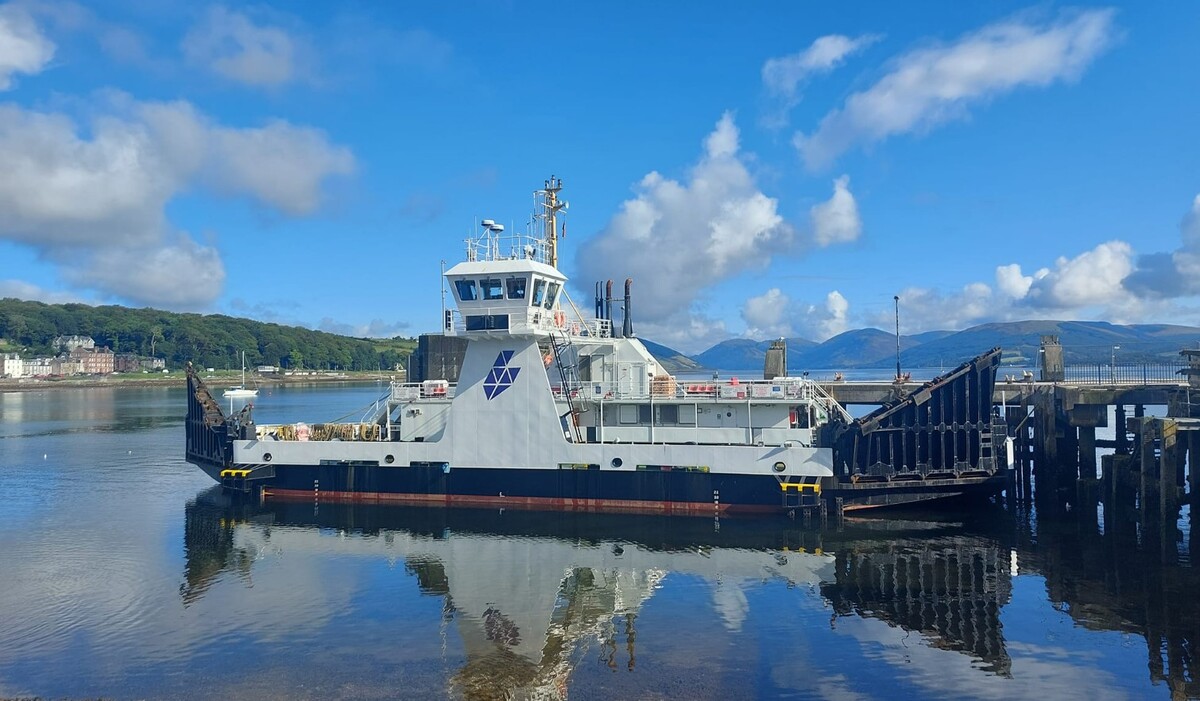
516	287
551	294
467	292
539	293
492	288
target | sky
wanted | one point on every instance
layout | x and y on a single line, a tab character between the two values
782	169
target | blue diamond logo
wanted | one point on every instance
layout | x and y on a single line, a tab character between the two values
501	376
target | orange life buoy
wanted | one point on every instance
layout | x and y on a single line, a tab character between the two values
560	318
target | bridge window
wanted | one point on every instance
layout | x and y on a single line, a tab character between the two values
492	289
516	287
539	293
486	322
466	289
551	295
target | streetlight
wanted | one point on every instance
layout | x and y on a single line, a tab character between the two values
1112	366
897	300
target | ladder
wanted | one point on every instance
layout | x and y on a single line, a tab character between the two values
571	384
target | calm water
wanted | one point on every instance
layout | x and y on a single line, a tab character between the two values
125	575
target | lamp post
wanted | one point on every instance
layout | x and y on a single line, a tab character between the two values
896	298
1112	366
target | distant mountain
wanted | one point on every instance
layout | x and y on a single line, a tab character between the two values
858	348
1082	341
671	360
747	354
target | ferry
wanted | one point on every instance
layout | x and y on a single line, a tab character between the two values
553	408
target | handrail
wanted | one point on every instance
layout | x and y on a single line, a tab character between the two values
661	387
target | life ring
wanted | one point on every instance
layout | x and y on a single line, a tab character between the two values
560	318
574	328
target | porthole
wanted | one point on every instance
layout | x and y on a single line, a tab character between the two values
266	457
389	459
617	462
780	466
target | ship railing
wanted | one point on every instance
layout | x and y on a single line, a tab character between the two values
800	390
429	389
498	245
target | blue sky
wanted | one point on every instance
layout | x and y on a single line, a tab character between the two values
781	169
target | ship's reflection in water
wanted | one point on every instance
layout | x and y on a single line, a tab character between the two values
537	604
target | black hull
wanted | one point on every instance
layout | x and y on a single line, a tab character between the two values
581	489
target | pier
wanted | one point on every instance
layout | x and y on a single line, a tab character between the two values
1142	475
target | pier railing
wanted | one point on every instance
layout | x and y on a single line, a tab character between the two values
1125	374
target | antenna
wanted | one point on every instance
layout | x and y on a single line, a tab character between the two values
552	207
897	299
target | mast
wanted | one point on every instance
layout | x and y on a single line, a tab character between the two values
552	207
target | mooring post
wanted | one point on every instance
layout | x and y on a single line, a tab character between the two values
1193	475
1167	500
1087	452
1148	464
1119	429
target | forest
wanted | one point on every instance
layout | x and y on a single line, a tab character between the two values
208	340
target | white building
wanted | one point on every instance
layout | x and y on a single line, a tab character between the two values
38	367
12	366
70	343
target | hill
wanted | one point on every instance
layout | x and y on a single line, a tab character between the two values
671	360
1082	341
747	354
211	340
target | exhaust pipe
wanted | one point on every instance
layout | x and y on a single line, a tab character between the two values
627	326
608	309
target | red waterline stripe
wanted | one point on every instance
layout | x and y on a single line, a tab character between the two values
690	508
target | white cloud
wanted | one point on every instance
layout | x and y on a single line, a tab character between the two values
1091	278
58	189
281	164
923	309
767	315
1011	282
1086	286
93	199
784	74
376	328
931	86
1190	226
230	44
23	47
835	321
782	77
25	290
677	239
178	274
773	314
1169	275
836	220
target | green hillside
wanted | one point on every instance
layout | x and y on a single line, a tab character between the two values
209	340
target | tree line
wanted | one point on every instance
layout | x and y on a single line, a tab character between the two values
207	340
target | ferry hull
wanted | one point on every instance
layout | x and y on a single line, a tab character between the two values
652	491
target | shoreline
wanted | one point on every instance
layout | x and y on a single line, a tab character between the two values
179	379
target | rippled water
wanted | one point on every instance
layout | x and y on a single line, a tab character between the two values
125	574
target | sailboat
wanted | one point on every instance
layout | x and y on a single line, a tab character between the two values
240	392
